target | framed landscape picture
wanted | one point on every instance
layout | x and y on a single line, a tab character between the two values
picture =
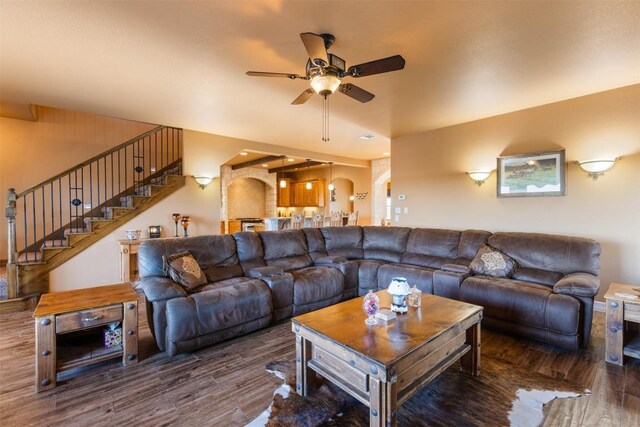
533	174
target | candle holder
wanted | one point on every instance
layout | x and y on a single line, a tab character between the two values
176	218
185	224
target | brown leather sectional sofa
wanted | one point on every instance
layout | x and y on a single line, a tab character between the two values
255	279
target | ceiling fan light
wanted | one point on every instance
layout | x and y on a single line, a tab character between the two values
325	84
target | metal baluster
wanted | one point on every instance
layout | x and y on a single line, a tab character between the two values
106	193
33	209
112	193
53	223
155	150
60	206
24	209
98	180
126	181
119	180
90	187
69	185
44	221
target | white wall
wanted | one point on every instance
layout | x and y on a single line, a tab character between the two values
429	168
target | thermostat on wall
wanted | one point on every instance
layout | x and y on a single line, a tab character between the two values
401	197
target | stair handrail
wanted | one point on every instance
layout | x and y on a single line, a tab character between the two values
61	204
94	158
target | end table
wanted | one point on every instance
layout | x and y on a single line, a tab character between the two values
623	317
69	327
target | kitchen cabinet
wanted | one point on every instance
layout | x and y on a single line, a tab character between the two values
284	194
300	196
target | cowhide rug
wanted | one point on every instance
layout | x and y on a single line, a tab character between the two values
502	395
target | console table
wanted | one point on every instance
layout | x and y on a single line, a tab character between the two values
129	260
69	328
623	321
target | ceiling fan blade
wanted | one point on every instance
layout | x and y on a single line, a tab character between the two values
384	65
263	74
356	92
304	97
315	47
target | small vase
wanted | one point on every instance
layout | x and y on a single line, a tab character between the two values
370	306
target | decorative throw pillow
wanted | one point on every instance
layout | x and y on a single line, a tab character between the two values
491	262
184	269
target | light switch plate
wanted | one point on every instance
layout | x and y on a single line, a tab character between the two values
406	210
398	210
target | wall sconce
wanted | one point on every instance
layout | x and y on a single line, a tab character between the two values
595	168
479	177
203	181
352	198
361	196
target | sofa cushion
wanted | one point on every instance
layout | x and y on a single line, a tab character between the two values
434	242
384	243
470	242
343	241
184	270
315	243
420	277
285	249
151	252
523	303
368	274
536	275
314	284
217	307
562	254
491	262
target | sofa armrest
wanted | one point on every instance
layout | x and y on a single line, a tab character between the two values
158	288
328	260
281	286
349	270
578	284
267	271
447	281
456	268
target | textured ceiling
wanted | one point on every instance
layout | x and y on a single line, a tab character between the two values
182	63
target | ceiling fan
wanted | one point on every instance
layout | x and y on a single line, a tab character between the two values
326	70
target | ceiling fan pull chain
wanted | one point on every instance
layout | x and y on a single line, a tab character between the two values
327	101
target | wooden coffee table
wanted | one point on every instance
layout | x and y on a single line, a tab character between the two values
385	364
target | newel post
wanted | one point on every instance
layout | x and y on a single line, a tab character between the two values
12	252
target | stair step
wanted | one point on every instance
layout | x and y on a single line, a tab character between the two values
75	231
30	257
56	243
116	211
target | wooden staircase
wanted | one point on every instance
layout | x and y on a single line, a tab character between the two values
45	249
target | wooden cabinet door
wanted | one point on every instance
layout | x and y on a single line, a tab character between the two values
284	194
311	195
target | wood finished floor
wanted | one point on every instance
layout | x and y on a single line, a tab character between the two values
227	385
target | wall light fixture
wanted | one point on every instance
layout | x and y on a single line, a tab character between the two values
203	181
595	168
479	176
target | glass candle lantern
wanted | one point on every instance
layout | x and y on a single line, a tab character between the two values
185	224
176	219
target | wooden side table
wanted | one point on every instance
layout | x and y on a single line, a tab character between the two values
623	317
69	328
129	260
